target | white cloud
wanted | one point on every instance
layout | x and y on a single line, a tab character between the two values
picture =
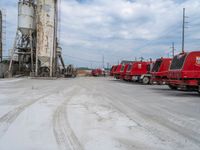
122	28
126	29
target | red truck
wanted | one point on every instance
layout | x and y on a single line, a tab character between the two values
117	71
123	71
136	70
184	72
160	70
112	70
97	72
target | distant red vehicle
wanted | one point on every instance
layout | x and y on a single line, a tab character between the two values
184	71
123	71
160	71
117	71
112	70
136	70
97	72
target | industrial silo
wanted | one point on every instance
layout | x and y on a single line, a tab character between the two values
36	39
46	37
26	16
25	40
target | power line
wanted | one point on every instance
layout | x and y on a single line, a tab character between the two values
167	31
82	59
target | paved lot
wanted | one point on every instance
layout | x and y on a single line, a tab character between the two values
96	114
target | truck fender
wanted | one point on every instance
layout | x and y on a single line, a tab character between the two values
142	76
145	75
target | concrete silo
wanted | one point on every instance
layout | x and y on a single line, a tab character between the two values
36	44
24	46
46	57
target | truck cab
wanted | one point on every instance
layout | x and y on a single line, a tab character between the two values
184	72
112	70
160	70
123	71
97	72
136	70
117	71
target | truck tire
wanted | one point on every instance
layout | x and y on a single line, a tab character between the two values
172	87
146	80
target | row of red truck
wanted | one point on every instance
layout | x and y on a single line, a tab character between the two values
180	72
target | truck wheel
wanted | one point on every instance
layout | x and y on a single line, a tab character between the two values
172	87
145	80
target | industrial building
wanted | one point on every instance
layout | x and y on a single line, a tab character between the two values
36	50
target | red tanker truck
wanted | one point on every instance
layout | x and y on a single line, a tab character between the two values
184	72
160	70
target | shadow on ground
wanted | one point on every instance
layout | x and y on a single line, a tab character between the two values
163	89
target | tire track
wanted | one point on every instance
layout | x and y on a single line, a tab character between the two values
65	137
7	119
161	122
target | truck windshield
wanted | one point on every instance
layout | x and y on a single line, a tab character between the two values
122	68
156	66
177	62
148	67
129	67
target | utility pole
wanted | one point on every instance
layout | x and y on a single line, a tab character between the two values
91	66
141	58
173	49
1	36
183	32
103	61
108	65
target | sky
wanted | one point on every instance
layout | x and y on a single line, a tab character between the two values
116	30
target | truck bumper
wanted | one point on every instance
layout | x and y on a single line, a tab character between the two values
192	82
117	76
128	77
158	80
